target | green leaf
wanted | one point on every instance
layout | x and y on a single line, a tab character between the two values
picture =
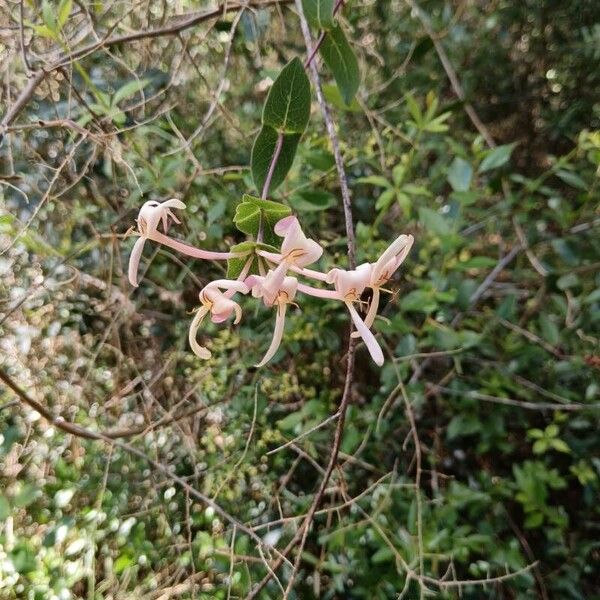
534	520
460	174
248	215
235	265
333	96
434	222
550	331
311	200
572	179
383	555
48	16
377	180
322	160
44	31
129	89
496	157
560	445
414	109
262	155
340	58
26	496
64	10
4	508
319	13
287	108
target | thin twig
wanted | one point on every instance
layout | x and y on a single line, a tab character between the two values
82	432
170	30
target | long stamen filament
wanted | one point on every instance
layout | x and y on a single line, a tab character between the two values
277	258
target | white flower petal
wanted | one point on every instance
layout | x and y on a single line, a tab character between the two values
134	260
277	334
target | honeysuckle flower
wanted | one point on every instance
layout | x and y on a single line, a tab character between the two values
296	248
349	286
275	290
150	216
219	305
382	271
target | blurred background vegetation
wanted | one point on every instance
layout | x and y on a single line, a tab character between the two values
476	129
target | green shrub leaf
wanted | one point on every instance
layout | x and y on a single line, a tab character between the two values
340	58
287	108
262	155
319	13
248	215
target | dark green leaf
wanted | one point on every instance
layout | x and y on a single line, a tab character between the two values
340	58
319	13
310	200
287	108
262	155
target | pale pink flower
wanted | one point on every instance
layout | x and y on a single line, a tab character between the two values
296	248
383	270
277	290
219	305
150	216
349	286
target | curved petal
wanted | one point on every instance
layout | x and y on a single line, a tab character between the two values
367	335
277	334
350	282
229	284
372	312
392	258
199	350
285	225
134	260
173	203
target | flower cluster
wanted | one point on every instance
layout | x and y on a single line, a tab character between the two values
279	285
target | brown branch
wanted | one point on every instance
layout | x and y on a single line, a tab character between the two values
40	75
79	431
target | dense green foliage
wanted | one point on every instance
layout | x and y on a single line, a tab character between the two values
502	379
